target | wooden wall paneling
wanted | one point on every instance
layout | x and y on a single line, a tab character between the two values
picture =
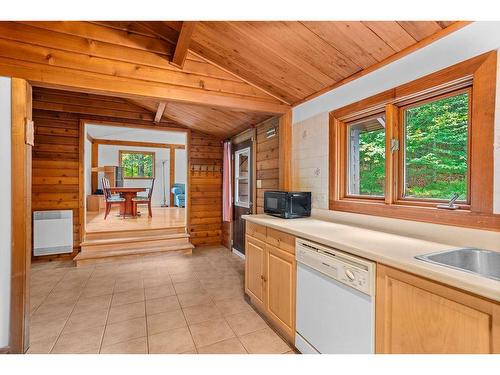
205	171
267	161
21	217
285	151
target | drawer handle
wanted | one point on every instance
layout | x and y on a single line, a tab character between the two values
263	278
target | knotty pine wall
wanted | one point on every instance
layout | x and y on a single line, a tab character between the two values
267	160
205	155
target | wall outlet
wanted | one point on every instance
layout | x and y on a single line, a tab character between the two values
259	184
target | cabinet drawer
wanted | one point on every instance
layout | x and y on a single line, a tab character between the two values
256	231
281	240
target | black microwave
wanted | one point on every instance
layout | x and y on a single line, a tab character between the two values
287	204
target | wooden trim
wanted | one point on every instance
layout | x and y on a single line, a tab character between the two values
285	151
172	174
482	70
91	121
94	164
116	142
21	218
181	48
153	157
82	203
415	47
160	111
188	179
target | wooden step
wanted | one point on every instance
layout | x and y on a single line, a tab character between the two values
132	242
133	233
85	258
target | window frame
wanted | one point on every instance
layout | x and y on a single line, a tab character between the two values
237	177
477	75
153	156
401	136
347	159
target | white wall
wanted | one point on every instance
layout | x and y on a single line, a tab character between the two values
310	130
109	155
87	167
5	209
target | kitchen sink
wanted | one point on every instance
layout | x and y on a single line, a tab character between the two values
485	263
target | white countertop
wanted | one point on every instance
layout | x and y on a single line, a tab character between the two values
389	249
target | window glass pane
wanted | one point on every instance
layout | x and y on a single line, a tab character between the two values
243	165
366	157
137	164
243	191
436	148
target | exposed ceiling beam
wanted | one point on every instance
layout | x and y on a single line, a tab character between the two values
165	31
116	142
159	111
182	46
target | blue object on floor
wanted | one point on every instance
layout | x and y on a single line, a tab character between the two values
179	192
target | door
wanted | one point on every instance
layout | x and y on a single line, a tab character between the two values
280	288
242	191
255	270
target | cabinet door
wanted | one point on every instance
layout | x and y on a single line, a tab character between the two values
416	315
255	258
280	289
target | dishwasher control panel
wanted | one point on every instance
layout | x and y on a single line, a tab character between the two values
356	272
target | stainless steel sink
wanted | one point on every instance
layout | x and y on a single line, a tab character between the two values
481	262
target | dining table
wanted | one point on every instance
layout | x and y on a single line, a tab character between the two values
127	193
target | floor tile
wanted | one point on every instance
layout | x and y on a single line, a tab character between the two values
229	346
225	293
188	287
130	296
77	322
124	331
246	322
43	330
84	341
155	280
87	304
128	311
165	321
201	313
210	332
135	346
265	341
52	311
42	346
233	306
193	299
163	304
123	286
159	291
175	341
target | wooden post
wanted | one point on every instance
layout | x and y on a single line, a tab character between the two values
285	151
94	166
172	174
21	216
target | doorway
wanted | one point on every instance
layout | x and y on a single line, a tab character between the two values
242	191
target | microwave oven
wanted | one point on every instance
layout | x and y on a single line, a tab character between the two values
287	204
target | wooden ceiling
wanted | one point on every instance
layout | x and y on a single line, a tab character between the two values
219	77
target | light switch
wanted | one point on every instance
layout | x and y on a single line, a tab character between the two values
259	184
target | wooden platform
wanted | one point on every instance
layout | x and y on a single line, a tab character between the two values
163	217
117	238
118	245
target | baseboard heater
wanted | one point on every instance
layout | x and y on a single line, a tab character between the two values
52	232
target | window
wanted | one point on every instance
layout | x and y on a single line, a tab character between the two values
406	152
366	157
242	174
137	164
435	148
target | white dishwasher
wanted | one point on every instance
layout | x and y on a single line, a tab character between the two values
335	301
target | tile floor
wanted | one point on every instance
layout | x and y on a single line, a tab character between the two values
159	304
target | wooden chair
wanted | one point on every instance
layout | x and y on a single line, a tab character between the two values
109	198
144	200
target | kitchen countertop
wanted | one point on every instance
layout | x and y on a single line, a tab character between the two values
386	248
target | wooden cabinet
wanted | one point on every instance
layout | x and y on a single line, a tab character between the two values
416	315
255	270
280	288
270	276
